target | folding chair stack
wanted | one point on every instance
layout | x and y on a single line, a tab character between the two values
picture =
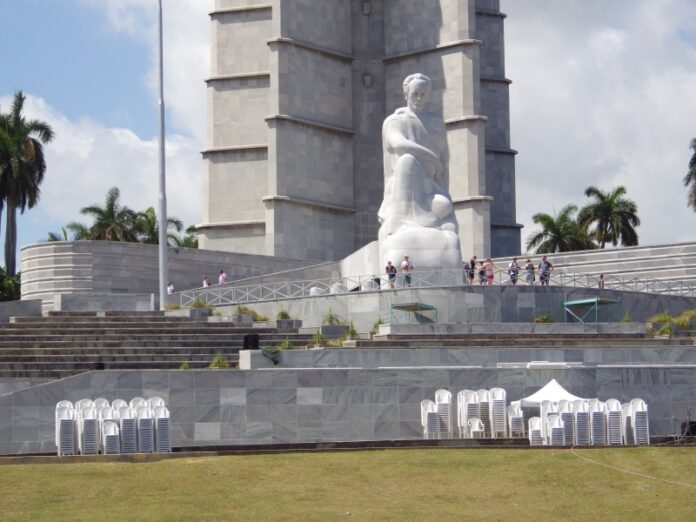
430	420
66	429
146	431
598	423
516	420
555	431
129	430
484	397
627	425
639	417
498	412
88	429
613	416
565	410
111	440
535	435
443	402
581	410
163	442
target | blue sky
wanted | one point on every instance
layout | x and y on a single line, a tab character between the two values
603	93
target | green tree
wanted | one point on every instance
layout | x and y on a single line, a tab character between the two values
149	227
10	286
190	240
613	217
77	231
23	166
113	222
690	178
560	233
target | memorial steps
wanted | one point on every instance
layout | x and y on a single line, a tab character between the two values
63	344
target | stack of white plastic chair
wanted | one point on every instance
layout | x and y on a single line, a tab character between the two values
101	402
154	402
498	412
546	408
476	428
516	420
84	403
117	404
484	397
627	425
613	415
429	418
534	433
461	412
146	430
598	422
88	430
111	439
137	402
163	441
105	414
472	408
639	417
581	410
129	430
555	431
66	429
565	410
443	401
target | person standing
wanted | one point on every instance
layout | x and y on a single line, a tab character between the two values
545	269
470	268
513	271
170	288
481	273
529	272
222	277
601	281
206	283
406	268
391	273
489	268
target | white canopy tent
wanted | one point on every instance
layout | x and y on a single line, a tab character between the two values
551	392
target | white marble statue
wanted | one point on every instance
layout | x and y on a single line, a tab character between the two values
417	216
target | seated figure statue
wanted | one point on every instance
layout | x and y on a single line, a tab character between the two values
417	216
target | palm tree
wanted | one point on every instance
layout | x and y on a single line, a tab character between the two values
190	240
690	178
614	217
79	231
23	167
149	227
559	234
112	222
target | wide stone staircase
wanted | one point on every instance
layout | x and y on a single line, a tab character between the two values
62	344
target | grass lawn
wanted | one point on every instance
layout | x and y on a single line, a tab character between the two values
423	484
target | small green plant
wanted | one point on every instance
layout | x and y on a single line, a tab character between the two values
219	362
684	320
184	365
245	310
626	318
198	302
283	315
543	318
318	339
336	343
285	344
375	326
172	306
272	352
351	332
217	313
331	319
667	330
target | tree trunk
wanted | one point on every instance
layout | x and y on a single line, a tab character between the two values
11	240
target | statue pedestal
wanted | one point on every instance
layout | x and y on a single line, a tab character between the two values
426	247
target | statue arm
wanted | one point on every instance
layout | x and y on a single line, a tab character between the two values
397	142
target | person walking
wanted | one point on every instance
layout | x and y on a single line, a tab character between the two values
513	271
529	272
545	269
406	268
489	268
391	273
601	281
222	277
206	283
481	273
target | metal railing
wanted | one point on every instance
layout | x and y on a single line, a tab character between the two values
225	295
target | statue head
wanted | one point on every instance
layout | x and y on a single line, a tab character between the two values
416	88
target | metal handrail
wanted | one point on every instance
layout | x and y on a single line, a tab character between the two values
226	295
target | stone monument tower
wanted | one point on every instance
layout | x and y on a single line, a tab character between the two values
296	100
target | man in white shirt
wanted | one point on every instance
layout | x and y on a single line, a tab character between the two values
222	278
406	268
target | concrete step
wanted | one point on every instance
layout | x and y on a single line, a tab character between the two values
526	343
144	337
56	373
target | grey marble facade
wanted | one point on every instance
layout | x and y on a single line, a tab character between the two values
297	95
218	407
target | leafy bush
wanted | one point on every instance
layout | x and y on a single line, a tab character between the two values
375	326
285	344
543	318
626	318
318	339
283	315
351	332
245	310
198	302
331	319
219	362
272	352
172	306
184	365
10	286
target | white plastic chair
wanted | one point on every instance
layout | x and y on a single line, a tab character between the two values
484	397
129	430
461	412
101	402
641	426
516	420
555	431
137	402
163	443
443	402
547	408
84	403
146	432
117	404
154	402
111	438
598	422
498	410
535	432
88	431
613	414
65	404
581	410
476	428
565	410
627	433
66	431
430	420
472	409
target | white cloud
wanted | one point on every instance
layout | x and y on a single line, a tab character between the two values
603	95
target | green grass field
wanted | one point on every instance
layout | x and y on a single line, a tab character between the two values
423	484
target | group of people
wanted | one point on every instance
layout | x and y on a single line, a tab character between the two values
486	271
406	269
222	279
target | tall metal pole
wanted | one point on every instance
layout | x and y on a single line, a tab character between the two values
162	179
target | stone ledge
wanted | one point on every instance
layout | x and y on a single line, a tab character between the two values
243	9
331	53
311	123
309	203
235	148
440	47
239	76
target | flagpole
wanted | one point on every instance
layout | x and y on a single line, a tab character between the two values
163	280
